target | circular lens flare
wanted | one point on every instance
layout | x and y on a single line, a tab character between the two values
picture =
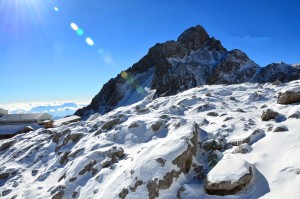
124	75
56	8
74	26
79	32
89	41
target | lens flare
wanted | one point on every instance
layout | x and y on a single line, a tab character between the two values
124	75
89	41
100	51
56	8
79	32
74	26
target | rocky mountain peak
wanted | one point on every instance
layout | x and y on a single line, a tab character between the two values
194	37
174	66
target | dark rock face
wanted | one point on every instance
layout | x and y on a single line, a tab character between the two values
174	66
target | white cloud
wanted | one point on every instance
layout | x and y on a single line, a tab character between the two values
54	108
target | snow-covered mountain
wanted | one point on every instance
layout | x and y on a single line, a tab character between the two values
233	140
174	66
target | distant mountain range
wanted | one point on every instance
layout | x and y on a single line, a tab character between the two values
193	60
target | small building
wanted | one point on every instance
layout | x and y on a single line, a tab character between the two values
67	120
3	112
13	119
9	131
48	124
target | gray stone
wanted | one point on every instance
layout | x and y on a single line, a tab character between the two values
6	145
213	114
295	115
58	195
243	149
110	124
123	193
4	175
289	97
280	129
231	185
268	115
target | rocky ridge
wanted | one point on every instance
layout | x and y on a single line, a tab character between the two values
192	60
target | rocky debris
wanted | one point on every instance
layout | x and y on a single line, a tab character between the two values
243	149
34	172
4	175
72	179
133	125
276	83
269	114
183	162
153	190
227	118
250	139
204	122
289	96
6	192
58	195
117	151
110	124
136	185
213	114
256	135
228	177
123	193
161	161
295	115
212	144
206	107
280	129
105	163
6	145
156	126
240	110
63	157
88	167
74	137
280	118
199	170
214	157
240	141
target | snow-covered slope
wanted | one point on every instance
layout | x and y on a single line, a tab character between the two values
163	148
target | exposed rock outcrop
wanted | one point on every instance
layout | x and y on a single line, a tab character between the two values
289	97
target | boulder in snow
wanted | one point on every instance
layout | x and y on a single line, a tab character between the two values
280	129
229	176
295	115
268	115
289	96
244	148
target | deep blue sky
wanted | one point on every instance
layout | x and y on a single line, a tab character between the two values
43	59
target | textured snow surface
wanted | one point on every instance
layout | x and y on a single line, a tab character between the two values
153	133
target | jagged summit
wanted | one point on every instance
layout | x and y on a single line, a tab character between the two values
194	37
174	66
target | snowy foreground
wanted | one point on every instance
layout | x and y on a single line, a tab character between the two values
169	147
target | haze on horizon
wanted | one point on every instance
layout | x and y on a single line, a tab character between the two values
65	50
